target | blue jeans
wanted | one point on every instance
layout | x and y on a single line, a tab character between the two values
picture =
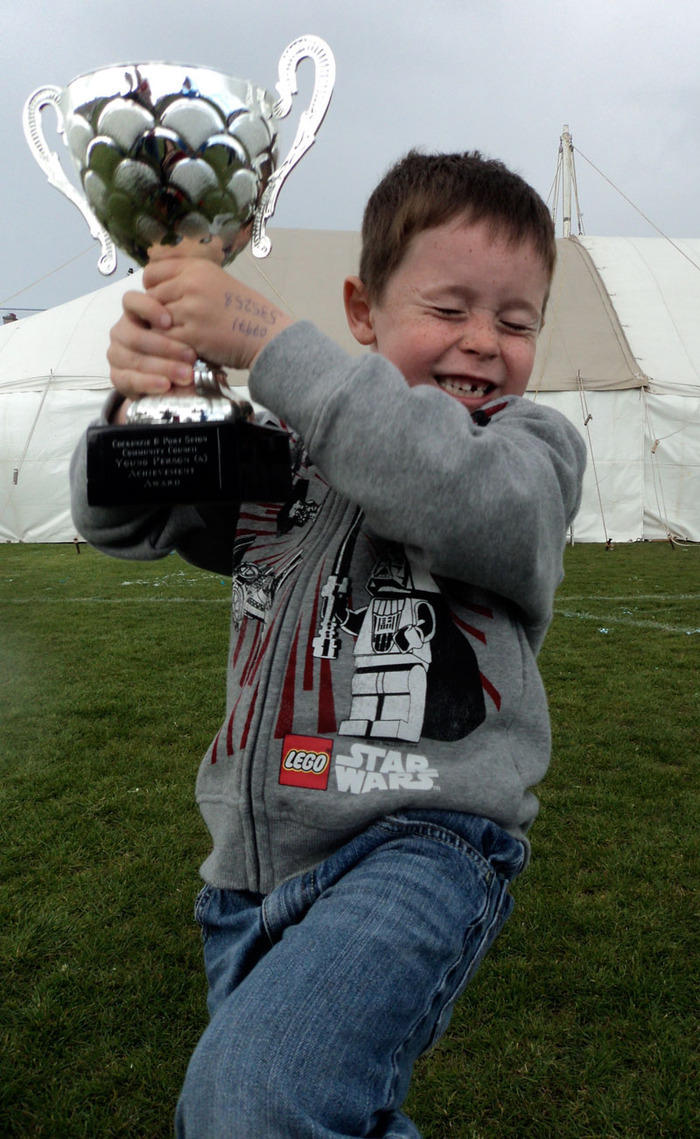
324	993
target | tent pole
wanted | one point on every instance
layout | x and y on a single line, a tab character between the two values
567	150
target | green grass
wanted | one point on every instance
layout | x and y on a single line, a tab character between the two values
583	1021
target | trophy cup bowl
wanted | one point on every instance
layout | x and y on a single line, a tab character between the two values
171	157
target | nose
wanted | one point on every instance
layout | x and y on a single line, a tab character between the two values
479	334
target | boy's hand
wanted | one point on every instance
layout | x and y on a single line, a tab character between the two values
224	321
143	358
191	308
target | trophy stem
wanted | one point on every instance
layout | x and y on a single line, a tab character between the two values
208	379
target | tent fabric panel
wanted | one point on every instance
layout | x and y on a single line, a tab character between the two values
672	467
36	508
68	342
613	485
581	333
655	285
40	510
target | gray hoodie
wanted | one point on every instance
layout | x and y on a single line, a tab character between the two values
385	621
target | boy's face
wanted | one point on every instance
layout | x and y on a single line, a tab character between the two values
461	312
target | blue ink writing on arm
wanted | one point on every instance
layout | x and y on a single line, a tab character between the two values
249	328
252	308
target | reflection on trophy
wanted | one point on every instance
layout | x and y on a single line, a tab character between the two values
170	156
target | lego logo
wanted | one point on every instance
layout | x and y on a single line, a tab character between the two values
306	762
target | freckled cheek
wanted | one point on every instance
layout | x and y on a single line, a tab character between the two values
520	365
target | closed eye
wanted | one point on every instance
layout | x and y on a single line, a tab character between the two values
512	326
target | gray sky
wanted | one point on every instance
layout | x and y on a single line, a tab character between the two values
502	76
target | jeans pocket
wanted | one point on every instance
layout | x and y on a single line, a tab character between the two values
201	905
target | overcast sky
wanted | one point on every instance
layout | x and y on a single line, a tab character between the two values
502	76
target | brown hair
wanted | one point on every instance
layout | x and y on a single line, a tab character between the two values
425	190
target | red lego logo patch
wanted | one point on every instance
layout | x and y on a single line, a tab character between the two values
306	762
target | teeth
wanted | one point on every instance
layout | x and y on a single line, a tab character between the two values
462	387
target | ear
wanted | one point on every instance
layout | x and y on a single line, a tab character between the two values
358	311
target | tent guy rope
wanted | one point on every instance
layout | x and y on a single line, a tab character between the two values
640	212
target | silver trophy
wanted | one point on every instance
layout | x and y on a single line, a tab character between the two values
168	156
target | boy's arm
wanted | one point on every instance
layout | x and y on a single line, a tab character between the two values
487	504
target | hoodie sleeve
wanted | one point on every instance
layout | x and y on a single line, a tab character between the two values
489	505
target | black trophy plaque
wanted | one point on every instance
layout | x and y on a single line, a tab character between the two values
234	460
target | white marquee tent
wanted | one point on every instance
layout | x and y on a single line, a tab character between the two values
619	355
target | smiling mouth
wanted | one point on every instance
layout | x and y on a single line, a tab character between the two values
465	387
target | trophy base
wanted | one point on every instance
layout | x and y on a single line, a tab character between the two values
232	461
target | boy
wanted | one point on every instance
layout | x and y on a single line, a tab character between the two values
368	795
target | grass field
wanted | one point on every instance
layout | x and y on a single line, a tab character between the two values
583	1022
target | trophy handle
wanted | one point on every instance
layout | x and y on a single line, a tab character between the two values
50	164
304	47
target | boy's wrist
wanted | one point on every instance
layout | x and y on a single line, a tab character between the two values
262	332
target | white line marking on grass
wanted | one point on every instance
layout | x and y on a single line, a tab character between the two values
115	600
633	597
156	582
610	620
